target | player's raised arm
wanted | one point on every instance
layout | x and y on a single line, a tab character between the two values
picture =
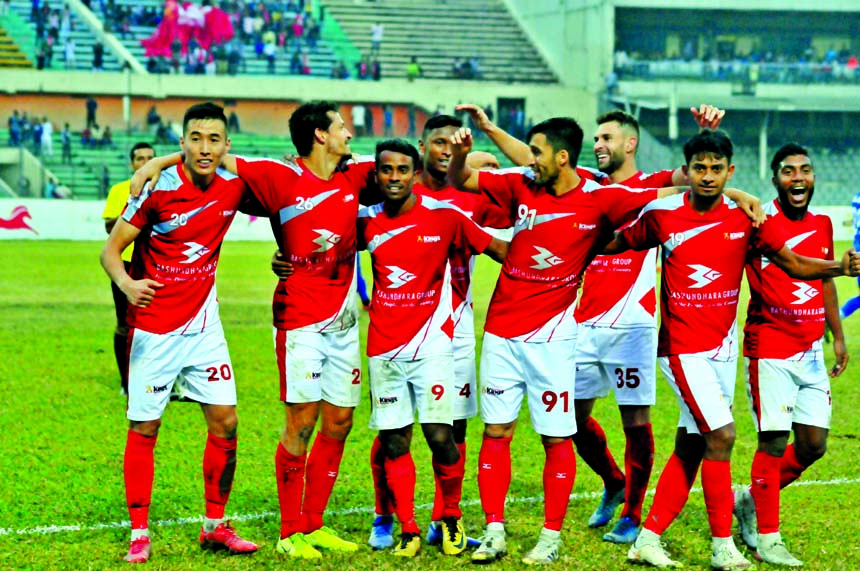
460	175
140	293
517	151
749	204
834	322
804	268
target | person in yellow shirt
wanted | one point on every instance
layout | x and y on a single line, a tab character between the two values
117	198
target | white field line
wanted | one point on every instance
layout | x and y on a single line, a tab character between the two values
53	529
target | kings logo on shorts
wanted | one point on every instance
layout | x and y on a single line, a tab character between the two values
384	401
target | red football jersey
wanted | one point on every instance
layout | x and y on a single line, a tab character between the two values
703	261
181	230
785	318
555	237
620	291
410	311
316	219
484	213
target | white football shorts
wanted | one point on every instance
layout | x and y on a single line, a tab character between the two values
546	371
199	362
465	403
705	389
400	388
782	392
624	360
316	366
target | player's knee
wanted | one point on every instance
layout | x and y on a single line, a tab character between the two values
635	415
811	450
499	430
719	443
460	426
582	408
146	427
338	428
394	445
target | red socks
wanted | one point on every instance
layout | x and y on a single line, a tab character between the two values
457	491
219	467
322	469
790	469
638	463
673	489
494	477
384	503
559	471
401	481
290	472
719	499
591	445
139	471
765	491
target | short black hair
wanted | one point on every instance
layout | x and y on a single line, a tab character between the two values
440	121
137	147
206	110
401	146
622	118
708	142
787	150
305	121
562	133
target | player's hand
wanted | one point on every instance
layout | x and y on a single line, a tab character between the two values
749	204
151	171
851	263
140	293
461	140
280	267
707	116
841	353
479	118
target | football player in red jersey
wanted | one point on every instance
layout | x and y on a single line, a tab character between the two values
178	226
787	381
415	239
705	241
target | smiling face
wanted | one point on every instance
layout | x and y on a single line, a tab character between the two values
708	175
436	148
545	163
395	173
611	145
204	144
795	183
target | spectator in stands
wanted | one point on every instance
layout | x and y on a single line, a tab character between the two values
377	30
362	68
65	24
47	138
235	56
40	55
106	142
233	122
66	141
413	69
457	68
172	137
477	72
296	63
104	182
92	106
312	32
359	114
161	137
26	129
410	114
36	131
87	138
48	46
269	53
339	70
34	10
388	118
152	65
14	125
306	63
368	119
98	56
466	70
54	24
69	53
375	69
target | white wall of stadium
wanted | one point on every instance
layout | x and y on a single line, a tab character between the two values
35	219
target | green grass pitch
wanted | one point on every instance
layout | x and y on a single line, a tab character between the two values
62	433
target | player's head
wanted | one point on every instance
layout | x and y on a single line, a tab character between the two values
396	163
139	154
482	161
318	124
709	162
204	139
793	177
435	145
555	145
616	140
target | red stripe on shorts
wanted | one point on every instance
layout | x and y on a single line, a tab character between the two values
755	388
687	394
281	357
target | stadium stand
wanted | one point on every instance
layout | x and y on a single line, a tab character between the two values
436	34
